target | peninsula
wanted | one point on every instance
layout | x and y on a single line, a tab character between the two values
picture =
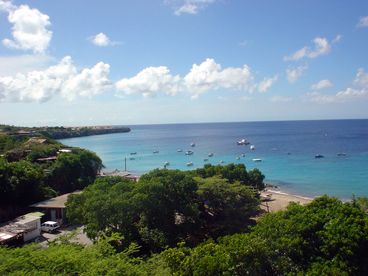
61	132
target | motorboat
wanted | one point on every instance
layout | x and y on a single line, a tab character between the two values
237	158
252	147
133	153
167	163
341	154
222	162
242	142
189	152
210	154
243	155
257	160
205	160
155	151
192	144
131	158
318	156
179	150
190	164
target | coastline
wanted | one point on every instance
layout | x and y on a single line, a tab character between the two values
275	200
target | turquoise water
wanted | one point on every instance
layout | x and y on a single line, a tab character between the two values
287	150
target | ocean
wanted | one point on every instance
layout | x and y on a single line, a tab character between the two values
287	151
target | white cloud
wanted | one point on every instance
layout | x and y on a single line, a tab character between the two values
363	22
266	84
102	40
293	74
150	81
62	79
189	6
359	91
209	75
321	85
6	5
29	29
281	99
321	47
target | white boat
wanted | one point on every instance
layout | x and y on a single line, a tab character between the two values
190	164
189	152
243	142
252	147
222	162
210	154
179	150
243	155
192	144
237	158
257	160
166	164
155	151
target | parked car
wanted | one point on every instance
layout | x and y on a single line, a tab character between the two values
49	226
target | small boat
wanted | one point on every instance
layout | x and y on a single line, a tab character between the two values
243	155
222	162
242	142
257	160
252	147
166	164
318	156
189	152
179	150
133	153
190	164
238	157
205	160
155	151
192	144
131	158
210	154
341	154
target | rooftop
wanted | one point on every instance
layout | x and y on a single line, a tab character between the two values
56	202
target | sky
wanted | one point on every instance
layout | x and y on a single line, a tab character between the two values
75	63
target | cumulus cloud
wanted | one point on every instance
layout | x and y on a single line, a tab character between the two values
363	22
203	77
293	74
209	75
102	40
61	79
359	91
321	47
150	81
266	84
321	85
189	6
29	30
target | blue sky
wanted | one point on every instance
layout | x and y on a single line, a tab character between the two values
175	61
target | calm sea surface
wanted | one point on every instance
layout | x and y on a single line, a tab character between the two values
287	150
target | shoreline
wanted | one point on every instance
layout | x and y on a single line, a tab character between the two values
275	200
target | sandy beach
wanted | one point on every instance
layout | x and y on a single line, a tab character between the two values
277	200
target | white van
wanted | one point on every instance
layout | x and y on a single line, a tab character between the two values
49	226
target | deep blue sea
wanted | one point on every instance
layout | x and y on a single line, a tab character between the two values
287	150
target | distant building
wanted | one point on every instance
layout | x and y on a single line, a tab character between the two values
22	229
54	208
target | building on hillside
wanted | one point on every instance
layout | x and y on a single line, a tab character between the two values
54	208
22	229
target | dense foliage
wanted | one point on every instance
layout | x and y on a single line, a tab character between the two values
326	237
165	207
26	177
